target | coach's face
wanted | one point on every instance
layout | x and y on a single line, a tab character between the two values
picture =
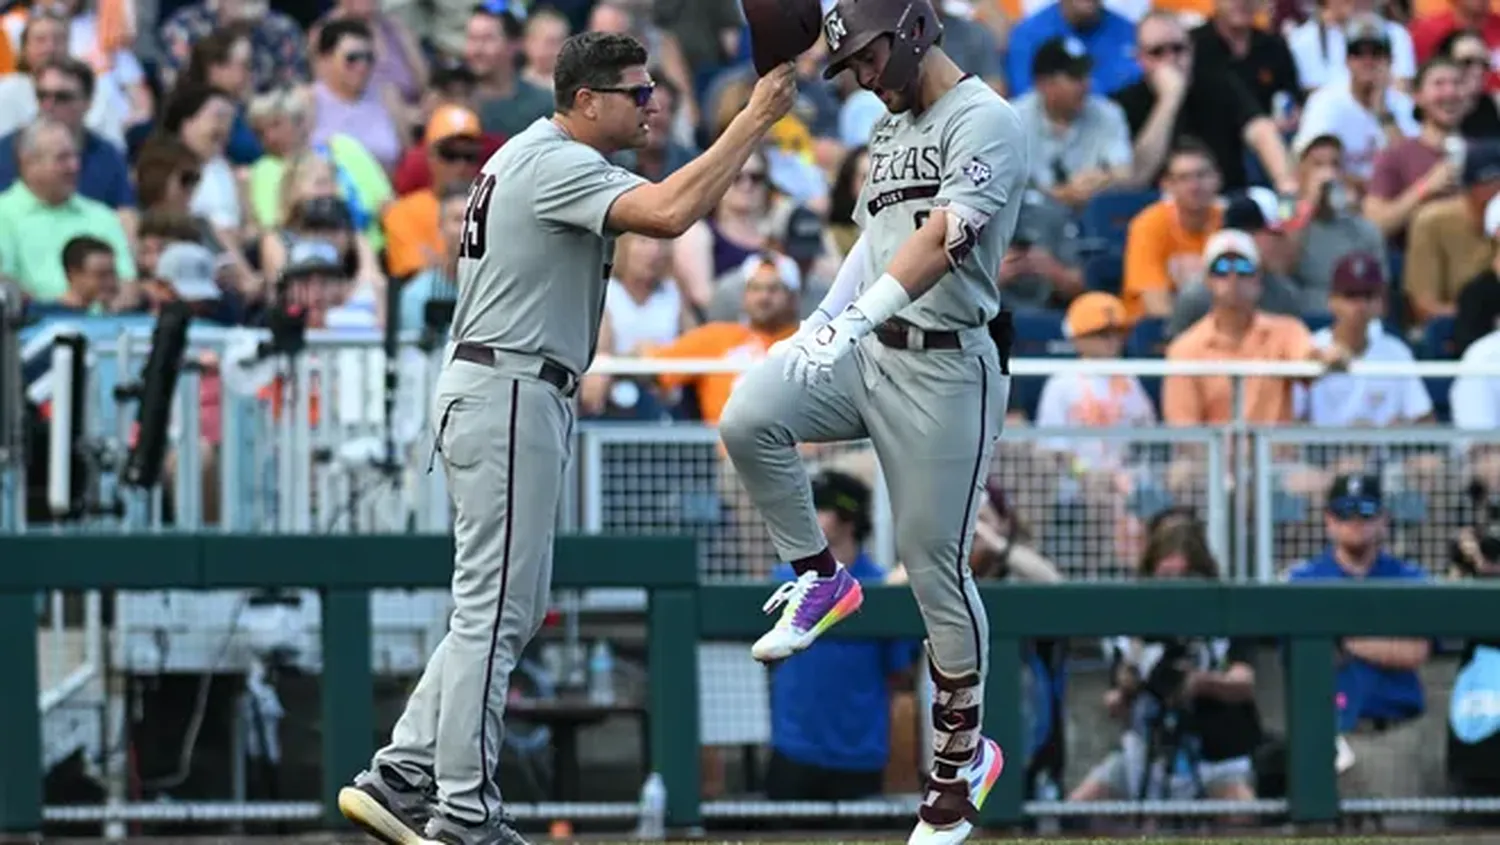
623	111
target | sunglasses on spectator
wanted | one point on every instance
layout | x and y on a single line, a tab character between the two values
458	154
641	94
61	96
1226	264
1352	508
1171	48
359	57
1370	49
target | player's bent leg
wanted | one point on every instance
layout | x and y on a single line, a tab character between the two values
764	420
505	451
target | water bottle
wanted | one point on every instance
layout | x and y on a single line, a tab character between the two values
653	812
601	674
1046	790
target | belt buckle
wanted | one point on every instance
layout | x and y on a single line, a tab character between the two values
915	339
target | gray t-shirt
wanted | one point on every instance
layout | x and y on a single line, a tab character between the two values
1097	139
968	152
1324	242
534	267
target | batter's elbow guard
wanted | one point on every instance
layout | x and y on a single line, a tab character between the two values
1003	332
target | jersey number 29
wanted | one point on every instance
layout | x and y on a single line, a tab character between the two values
478	212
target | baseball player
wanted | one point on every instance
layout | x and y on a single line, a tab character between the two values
538	237
909	348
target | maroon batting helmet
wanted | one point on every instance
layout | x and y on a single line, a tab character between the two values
914	26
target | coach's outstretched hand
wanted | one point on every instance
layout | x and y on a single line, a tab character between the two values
774	94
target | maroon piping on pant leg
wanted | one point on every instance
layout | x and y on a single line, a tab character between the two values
487	772
960	562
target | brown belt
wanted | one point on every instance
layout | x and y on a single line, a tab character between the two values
551	372
899	334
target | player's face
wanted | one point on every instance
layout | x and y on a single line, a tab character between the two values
868	64
624	110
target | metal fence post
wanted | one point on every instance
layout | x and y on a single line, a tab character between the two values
21	774
1002	711
672	659
1310	714
348	692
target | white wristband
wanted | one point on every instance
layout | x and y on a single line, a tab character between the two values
883	299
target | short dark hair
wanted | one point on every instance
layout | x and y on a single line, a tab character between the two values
336	30
510	25
593	60
185	103
77	251
69	66
214	49
1187	145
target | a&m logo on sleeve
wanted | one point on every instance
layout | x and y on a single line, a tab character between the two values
977	171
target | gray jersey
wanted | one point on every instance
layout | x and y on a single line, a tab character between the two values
534	266
968	151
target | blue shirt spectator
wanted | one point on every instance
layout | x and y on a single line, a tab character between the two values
1356	518
103	175
1110	41
831	704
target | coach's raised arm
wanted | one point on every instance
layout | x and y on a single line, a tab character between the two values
667	208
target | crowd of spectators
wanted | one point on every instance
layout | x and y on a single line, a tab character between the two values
1307	133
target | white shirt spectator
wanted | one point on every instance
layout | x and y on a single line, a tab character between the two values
217	197
1332	110
657	321
1091	401
1476	399
18	108
1319	51
1343	400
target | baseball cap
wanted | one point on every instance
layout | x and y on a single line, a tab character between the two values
190	269
785	268
1358	274
310	256
1367	28
1063	54
1304	143
1256	209
1230	242
450	121
803	238
1481	163
1094	312
1355	495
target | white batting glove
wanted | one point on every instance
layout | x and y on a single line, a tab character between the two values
815	321
811	358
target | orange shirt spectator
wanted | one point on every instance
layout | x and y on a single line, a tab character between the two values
1162	254
414	241
729	341
1428	30
1233	276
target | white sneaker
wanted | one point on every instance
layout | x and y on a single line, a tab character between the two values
980	776
812	605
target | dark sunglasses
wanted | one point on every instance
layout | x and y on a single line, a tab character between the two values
458	155
641	94
1351	508
1226	264
1370	49
358	57
61	97
1171	48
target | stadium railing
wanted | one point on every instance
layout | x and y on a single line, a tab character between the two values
345	571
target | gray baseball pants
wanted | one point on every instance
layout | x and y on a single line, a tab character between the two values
933	417
505	439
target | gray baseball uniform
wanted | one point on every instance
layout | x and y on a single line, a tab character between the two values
932	415
531	284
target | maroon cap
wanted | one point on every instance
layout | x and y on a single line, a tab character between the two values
1358	274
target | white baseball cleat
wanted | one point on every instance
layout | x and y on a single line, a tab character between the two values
947	814
810	605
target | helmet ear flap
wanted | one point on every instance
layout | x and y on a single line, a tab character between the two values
917	29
